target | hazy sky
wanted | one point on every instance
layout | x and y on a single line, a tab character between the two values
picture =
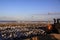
25	9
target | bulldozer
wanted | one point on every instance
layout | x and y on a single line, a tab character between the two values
56	25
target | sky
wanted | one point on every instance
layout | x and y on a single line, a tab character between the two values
29	9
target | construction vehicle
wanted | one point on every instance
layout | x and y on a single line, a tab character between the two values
57	24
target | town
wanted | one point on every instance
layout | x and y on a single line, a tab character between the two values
23	30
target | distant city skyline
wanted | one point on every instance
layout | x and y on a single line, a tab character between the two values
27	9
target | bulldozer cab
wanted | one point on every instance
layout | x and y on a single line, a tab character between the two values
57	21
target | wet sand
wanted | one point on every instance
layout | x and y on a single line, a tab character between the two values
57	36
